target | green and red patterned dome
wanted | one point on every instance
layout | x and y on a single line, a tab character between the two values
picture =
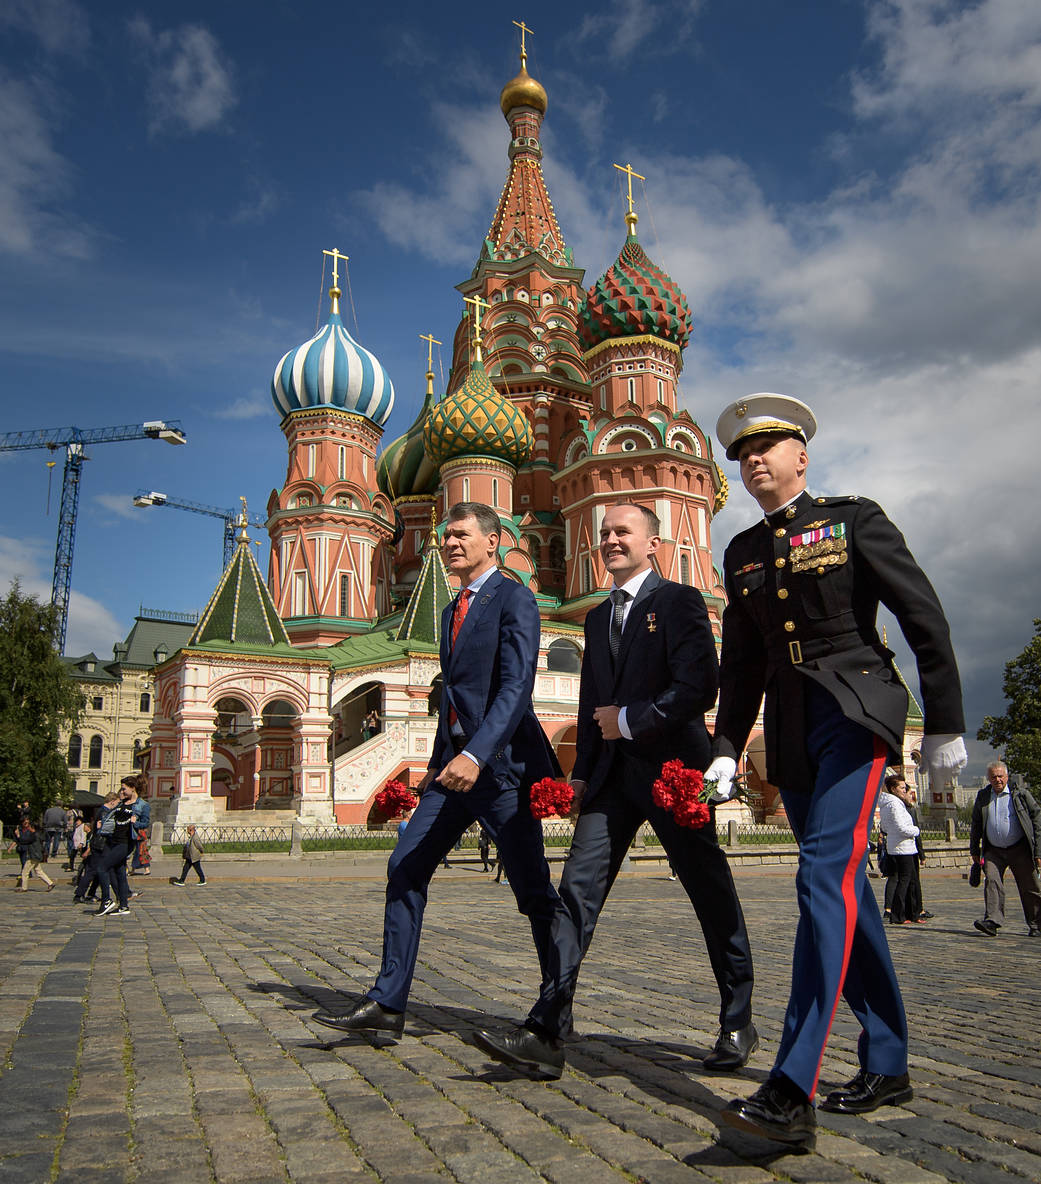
475	420
632	298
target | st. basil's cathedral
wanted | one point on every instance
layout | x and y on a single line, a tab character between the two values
304	693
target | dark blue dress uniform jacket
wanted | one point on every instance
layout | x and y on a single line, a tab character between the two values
803	591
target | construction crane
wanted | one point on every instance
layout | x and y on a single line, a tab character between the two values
74	441
230	518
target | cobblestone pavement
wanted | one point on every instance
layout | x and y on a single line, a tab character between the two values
175	1045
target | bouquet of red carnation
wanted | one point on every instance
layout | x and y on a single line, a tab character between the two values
395	798
551	798
682	792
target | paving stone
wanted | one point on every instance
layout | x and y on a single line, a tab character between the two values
229	1081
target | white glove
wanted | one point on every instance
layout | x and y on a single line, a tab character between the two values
721	771
944	756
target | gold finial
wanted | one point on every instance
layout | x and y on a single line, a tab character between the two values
524	51
432	539
477	302
630	218
431	341
334	291
243	523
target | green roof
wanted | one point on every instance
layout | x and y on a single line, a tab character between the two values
432	592
241	608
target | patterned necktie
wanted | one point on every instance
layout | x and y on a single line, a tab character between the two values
618	599
458	616
461	605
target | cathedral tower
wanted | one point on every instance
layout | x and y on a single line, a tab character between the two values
634	325
331	528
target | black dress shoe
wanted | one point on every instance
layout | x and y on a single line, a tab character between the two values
868	1091
732	1049
1034	931
539	1057
775	1111
366	1016
987	926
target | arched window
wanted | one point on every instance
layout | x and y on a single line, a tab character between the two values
495	492
75	750
684	569
564	657
94	755
146	702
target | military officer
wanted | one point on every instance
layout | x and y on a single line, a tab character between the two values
803	588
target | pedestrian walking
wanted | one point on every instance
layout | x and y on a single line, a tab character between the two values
192	853
30	840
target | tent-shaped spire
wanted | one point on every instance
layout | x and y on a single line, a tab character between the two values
241	608
432	592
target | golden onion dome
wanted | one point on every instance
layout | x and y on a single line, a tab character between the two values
475	420
523	91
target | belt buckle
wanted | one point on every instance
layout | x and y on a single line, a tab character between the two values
795	652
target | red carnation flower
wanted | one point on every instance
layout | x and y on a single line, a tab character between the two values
681	791
395	798
551	798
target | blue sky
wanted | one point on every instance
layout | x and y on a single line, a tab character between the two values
847	192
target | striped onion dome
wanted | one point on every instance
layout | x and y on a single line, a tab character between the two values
632	298
333	370
476	420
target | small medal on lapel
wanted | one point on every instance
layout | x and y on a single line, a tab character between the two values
651	627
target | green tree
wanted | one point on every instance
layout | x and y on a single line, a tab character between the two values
37	697
1018	732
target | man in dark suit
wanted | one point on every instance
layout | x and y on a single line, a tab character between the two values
488	751
803	589
649	673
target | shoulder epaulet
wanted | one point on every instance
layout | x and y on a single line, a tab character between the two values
843	499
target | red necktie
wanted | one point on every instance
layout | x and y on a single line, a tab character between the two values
458	616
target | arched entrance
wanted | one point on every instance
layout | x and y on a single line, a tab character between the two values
357	717
564	746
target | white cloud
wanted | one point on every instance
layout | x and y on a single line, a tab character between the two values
90	626
450	209
252	406
61	26
622	27
34	177
191	84
120	504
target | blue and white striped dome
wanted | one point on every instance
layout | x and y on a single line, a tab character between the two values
333	370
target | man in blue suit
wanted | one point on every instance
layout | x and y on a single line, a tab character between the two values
488	751
649	674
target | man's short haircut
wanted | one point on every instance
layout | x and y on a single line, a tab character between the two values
486	517
650	519
893	779
997	765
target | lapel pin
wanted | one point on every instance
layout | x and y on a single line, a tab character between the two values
651	627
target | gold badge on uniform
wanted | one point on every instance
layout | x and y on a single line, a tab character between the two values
820	548
651	627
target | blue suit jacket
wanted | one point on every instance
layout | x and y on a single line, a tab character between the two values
488	678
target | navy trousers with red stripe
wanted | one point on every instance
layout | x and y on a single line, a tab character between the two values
840	943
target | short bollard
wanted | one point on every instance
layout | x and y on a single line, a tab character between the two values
296	842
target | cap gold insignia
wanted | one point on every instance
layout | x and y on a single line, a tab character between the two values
741	411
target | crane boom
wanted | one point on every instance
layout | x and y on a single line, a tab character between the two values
230	518
74	440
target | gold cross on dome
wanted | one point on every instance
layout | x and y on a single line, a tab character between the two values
336	256
524	29
478	303
630	217
431	341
